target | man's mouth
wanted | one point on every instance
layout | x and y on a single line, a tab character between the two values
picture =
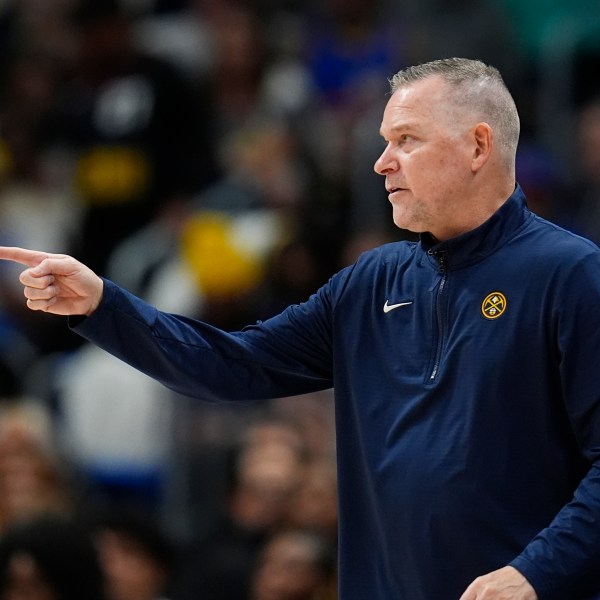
392	190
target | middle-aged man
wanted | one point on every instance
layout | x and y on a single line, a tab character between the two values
464	365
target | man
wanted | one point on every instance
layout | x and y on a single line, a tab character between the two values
468	420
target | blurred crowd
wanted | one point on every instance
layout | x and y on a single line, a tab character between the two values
216	158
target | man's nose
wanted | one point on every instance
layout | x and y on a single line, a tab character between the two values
385	164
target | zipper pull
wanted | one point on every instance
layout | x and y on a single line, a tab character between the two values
440	256
443	262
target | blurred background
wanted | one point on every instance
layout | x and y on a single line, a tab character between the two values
216	158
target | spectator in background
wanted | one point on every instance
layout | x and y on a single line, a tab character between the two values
314	419
292	270
350	48
263	167
295	564
314	505
33	482
543	178
139	130
17	355
116	427
49	559
266	472
36	202
136	556
238	74
586	214
242	221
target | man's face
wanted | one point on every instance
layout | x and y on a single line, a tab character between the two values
427	159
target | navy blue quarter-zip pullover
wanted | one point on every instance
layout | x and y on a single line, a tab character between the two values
467	387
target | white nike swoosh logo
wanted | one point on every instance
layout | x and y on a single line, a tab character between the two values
387	307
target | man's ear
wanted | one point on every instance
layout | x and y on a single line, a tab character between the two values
483	138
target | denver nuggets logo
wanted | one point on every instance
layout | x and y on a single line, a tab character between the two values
494	305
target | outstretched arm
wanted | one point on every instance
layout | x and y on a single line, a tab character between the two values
56	283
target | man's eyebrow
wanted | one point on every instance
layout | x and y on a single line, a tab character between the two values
403	126
400	127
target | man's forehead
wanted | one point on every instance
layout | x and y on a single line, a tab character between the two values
408	104
416	102
418	92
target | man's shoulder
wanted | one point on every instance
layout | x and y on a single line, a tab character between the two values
554	240
393	252
372	265
555	254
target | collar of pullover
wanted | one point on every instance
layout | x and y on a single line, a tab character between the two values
482	241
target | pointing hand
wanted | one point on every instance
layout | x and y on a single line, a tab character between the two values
56	283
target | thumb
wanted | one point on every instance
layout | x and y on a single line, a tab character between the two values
57	264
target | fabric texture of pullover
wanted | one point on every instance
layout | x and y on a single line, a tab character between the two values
467	387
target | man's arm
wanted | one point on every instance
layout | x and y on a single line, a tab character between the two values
56	283
288	355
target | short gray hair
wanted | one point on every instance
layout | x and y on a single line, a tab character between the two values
480	89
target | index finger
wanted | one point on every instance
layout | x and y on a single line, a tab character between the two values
30	258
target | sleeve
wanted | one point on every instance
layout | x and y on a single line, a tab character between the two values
287	355
565	556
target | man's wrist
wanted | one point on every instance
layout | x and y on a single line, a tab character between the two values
97	297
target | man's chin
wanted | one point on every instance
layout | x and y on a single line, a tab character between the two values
402	222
